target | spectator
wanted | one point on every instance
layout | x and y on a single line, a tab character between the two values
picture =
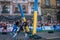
4	25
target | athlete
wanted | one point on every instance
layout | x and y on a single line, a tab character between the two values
15	29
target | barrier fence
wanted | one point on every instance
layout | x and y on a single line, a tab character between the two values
43	28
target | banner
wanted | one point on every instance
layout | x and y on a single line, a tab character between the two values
43	28
57	27
47	28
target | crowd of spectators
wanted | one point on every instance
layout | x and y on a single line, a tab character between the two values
40	23
30	23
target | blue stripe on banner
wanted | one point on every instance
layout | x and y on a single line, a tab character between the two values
20	8
36	5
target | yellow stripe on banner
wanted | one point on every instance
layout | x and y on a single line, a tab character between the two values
24	19
27	28
35	22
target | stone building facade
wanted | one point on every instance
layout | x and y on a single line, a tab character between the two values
45	8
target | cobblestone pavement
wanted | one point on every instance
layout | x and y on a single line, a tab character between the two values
44	35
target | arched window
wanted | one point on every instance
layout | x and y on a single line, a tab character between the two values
16	10
58	15
47	3
49	18
58	3
24	8
5	9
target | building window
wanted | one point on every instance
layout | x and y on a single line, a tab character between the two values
16	10
23	0
24	8
58	3
49	18
58	16
32	9
5	9
47	3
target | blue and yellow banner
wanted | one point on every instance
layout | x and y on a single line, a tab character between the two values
35	16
